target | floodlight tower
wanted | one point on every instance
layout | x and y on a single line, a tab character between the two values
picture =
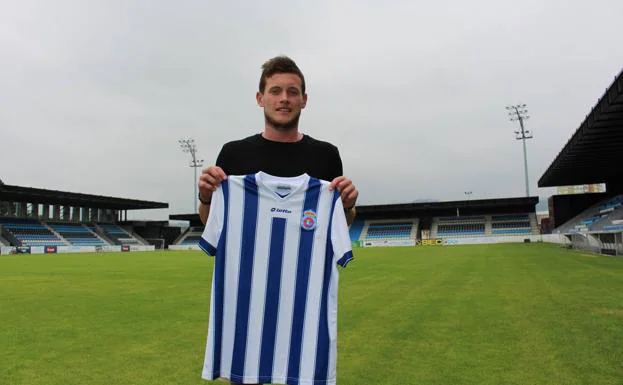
188	145
468	194
519	112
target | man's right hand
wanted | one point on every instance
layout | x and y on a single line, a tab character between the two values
209	180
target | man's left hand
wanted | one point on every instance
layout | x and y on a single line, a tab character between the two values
347	191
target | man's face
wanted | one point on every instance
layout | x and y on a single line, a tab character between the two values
282	101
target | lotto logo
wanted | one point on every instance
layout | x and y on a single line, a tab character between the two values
284	211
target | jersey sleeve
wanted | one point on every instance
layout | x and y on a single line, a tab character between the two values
212	232
340	237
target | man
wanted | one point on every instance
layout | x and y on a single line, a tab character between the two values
280	150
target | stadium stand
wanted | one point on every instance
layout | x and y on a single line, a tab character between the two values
592	220
516	224
446	227
99	233
603	216
386	229
461	229
457	226
191	240
507	217
190	237
40	217
77	234
496	224
118	235
389	231
30	232
355	229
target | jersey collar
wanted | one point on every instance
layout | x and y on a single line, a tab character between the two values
299	182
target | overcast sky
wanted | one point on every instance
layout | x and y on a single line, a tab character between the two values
94	95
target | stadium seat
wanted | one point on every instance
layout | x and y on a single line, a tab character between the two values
460	226
389	231
595	219
118	234
30	232
461	229
511	224
77	234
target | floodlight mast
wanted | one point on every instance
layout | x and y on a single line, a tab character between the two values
519	113
188	145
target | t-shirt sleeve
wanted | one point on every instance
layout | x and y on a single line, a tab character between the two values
214	226
340	237
222	160
336	167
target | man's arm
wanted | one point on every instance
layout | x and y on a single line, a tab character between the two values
204	212
209	180
349	195
350	215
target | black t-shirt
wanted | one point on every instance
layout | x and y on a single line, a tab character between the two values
255	153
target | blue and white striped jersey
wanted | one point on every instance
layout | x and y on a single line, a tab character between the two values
273	314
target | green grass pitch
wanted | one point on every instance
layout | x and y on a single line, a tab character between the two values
486	314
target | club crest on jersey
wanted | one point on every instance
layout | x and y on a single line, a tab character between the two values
308	221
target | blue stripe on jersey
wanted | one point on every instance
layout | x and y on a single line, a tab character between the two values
347	257
322	347
219	284
271	303
207	247
245	274
302	281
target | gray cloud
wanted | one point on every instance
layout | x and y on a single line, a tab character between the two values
94	95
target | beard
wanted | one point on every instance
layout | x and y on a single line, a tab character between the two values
283	127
